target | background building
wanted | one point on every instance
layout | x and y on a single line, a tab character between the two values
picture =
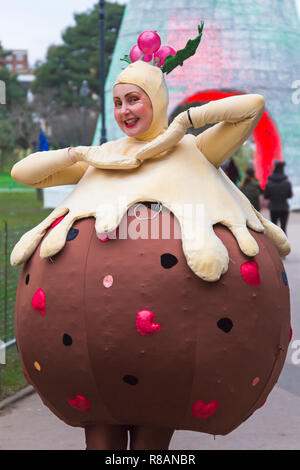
247	47
17	61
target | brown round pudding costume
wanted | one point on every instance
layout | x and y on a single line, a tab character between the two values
157	331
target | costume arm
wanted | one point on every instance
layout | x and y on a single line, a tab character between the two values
51	168
237	117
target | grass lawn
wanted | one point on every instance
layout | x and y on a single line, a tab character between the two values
21	208
22	211
7	182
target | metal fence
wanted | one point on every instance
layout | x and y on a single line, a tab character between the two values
9	276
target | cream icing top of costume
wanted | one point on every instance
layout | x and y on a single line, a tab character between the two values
163	164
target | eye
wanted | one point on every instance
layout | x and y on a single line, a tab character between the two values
117	104
133	99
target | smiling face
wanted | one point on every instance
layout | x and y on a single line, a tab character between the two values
132	109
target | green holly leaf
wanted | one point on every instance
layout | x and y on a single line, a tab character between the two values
191	46
127	59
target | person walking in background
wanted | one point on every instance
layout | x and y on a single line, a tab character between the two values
251	188
232	171
278	190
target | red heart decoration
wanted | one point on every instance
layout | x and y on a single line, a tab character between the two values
106	238
80	403
204	410
145	323
57	221
38	301
250	273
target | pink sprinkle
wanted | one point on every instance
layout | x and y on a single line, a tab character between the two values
80	403
204	410
39	301
108	281
57	221
255	381
145	323
250	273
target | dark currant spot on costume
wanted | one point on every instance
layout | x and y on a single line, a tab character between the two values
225	324
72	234
67	340
284	278
27	279
168	261
130	379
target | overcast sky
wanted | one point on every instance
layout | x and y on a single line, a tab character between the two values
36	24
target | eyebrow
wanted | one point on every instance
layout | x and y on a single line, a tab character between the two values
129	93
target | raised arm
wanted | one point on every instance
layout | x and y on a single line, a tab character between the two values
237	117
51	168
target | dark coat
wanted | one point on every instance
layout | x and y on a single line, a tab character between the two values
232	171
278	190
252	191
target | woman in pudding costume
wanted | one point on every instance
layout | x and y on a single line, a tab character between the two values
132	357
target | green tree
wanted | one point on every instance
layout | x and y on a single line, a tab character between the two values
78	58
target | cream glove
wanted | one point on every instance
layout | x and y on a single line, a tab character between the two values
103	158
61	167
46	169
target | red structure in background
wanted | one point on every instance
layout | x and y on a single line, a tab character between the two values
266	136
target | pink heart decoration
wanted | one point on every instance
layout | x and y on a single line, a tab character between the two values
204	410
145	323
38	301
250	273
80	403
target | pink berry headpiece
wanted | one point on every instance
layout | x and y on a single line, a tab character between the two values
149	49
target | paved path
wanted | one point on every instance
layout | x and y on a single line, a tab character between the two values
28	424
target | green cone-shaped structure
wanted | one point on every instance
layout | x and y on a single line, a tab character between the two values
247	47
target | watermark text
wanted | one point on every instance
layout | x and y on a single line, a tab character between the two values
296	94
296	354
